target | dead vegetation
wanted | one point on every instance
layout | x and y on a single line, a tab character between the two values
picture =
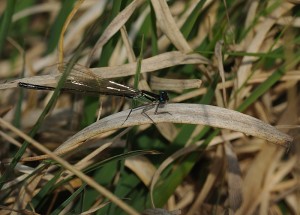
227	141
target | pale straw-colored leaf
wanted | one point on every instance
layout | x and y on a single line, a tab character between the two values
209	182
151	64
158	83
252	189
94	209
142	167
291	75
234	180
40	8
161	61
27	192
290	21
127	44
100	189
160	211
75	34
114	27
261	31
168	25
119	56
64	29
182	113
167	130
219	57
293	201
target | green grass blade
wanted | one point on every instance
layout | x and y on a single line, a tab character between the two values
37	200
191	20
41	118
56	28
18	111
6	22
261	89
68	200
139	66
153	27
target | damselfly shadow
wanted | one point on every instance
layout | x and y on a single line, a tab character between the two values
82	80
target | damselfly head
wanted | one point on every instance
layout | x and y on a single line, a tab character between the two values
163	97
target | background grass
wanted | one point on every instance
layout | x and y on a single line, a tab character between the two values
241	174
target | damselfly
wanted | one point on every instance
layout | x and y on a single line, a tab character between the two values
82	80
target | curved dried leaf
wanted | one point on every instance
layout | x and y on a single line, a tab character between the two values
179	113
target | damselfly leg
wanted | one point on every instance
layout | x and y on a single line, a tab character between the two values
157	101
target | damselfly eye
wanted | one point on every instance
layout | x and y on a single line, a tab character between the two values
163	97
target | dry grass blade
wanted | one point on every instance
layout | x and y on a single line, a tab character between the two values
66	24
7	210
158	62
235	182
255	44
94	209
151	64
28	191
43	79
75	35
178	113
239	171
209	182
168	25
160	211
142	167
254	188
174	84
69	167
114	26
218	55
127	44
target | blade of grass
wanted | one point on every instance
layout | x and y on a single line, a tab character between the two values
90	196
21	26
154	37
264	12
115	158
18	111
108	47
68	200
109	170
126	184
93	103
90	181
64	28
171	182
261	89
139	65
41	118
6	22
188	26
57	27
37	200
175	178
